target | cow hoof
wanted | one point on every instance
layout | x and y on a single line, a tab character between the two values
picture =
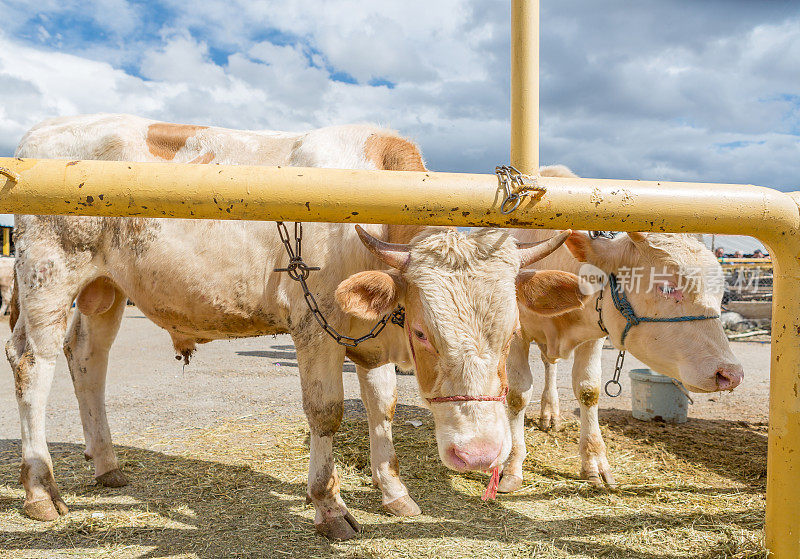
339	528
549	423
112	478
403	506
45	509
509	483
600	480
594	480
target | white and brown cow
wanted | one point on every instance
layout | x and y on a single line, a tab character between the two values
696	353
459	292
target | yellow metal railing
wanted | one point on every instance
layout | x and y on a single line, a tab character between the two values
299	194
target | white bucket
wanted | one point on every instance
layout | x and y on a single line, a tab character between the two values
656	397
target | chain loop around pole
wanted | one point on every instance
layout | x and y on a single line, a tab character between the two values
9	173
515	185
299	271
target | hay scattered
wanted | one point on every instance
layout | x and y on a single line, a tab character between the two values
237	489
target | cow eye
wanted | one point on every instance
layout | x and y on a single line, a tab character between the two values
420	336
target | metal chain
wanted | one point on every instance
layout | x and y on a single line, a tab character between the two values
299	271
604	234
514	187
598	306
615	379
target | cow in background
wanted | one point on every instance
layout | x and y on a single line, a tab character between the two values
697	353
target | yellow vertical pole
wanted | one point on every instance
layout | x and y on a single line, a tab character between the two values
6	241
525	85
782	526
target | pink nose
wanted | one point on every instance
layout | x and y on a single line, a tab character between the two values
476	455
729	376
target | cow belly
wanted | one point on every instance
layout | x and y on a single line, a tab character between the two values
208	323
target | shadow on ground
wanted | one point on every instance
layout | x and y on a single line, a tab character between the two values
287	356
733	449
187	505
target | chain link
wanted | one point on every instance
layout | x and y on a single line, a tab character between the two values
604	234
615	379
298	270
514	187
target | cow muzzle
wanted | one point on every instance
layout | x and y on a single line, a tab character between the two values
472	436
729	376
476	455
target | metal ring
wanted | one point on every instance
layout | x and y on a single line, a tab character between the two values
516	198
9	173
619	388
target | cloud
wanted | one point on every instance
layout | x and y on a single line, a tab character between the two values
673	90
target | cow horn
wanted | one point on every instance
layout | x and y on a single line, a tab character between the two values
395	255
531	252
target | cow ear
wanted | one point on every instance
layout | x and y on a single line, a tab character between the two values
580	245
551	292
370	295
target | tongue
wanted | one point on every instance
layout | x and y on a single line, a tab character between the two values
494	482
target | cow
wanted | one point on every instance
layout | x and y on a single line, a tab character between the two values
686	280
6	282
459	292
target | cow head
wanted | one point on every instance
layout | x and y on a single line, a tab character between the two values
460	297
666	275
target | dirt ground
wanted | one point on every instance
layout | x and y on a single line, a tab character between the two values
217	452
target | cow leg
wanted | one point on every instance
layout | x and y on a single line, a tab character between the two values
320	364
32	352
520	391
586	385
379	394
550	414
86	348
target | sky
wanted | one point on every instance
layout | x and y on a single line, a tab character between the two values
696	90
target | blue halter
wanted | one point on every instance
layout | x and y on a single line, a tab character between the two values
626	310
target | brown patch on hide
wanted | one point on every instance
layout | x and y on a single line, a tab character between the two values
425	360
13	307
501	365
22	373
589	396
325	484
393	153
324	420
515	401
164	139
369	359
391	408
97	297
394	466
367	295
